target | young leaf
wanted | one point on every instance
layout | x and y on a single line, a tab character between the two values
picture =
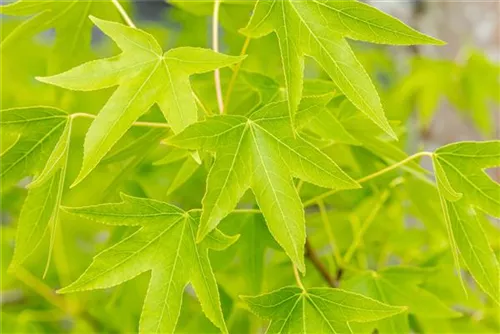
145	76
261	152
165	245
318	29
316	310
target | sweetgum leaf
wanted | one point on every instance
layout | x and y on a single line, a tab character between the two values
319	29
317	310
165	245
145	76
263	153
464	186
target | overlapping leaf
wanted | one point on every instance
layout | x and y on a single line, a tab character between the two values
318	29
263	153
336	120
317	310
400	286
69	19
165	245
145	76
464	185
42	150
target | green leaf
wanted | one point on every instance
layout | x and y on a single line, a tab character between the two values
317	310
165	245
38	215
318	29
261	152
460	170
464	165
69	19
42	149
145	76
400	286
39	129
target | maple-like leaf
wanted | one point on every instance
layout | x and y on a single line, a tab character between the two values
400	286
318	29
69	19
263	153
42	150
165	245
145	75
464	185
317	310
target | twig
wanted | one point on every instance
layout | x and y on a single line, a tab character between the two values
311	254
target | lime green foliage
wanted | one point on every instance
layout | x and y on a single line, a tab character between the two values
131	202
263	153
471	86
145	76
165	244
41	148
463	186
319	29
317	310
399	286
71	45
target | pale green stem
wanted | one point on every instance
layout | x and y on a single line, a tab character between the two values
123	13
236	70
140	124
331	238
314	200
297	278
215	47
39	287
369	220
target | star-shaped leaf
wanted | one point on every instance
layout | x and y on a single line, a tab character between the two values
318	29
464	185
41	150
69	19
317	310
263	153
165	245
400	286
145	76
464	165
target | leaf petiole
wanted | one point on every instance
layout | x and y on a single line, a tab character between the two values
315	199
142	124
